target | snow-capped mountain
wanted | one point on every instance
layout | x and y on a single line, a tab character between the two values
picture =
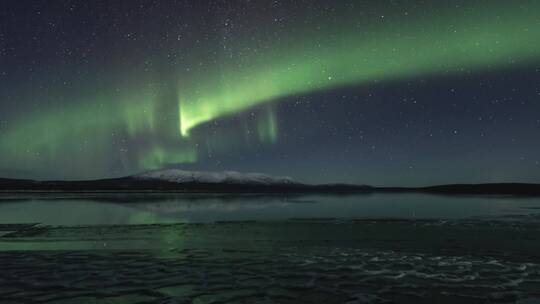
225	177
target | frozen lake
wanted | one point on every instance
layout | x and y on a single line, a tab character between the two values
164	248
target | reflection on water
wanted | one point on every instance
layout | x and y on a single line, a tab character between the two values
253	254
100	209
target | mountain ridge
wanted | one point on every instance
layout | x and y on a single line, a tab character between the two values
226	177
182	181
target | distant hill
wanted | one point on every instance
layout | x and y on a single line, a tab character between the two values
181	181
226	177
175	180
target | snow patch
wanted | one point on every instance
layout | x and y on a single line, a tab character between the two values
225	177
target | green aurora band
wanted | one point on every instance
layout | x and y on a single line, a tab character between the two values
310	61
486	39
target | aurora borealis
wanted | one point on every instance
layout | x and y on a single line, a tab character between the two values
383	92
338	58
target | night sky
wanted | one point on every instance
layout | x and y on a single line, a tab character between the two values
375	92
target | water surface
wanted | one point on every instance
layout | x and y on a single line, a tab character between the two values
380	248
121	209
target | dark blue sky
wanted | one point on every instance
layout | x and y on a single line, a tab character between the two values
91	89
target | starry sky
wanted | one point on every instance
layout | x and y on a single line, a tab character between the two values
386	93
